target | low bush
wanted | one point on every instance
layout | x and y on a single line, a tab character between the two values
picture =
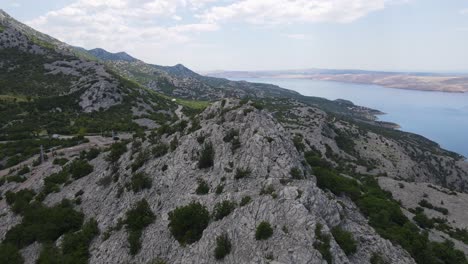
137	219
245	200
242	173
296	173
140	181
345	240
116	151
160	150
264	231
187	223
80	168
223	209
206	159
425	203
92	153
223	246
322	244
339	185
203	187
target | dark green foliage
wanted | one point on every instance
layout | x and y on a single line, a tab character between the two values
10	254
315	160
159	150
425	203
245	200
44	224
23	170
206	156
52	182
187	223
322	244
242	173
296	173
423	221
60	161
269	189
15	178
92	153
345	240
20	200
264	231
140	160
117	150
223	246
345	142
75	247
223	209
386	217
219	189
80	168
203	187
137	219
339	185
141	181
20	150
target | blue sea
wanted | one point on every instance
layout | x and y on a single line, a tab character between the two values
441	117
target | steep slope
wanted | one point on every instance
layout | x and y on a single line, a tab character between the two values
265	151
108	56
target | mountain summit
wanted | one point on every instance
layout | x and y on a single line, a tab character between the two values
108	56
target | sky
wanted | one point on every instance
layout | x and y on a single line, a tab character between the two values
205	35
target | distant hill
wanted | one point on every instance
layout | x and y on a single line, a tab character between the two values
108	56
402	80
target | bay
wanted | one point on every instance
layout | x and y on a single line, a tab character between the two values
441	117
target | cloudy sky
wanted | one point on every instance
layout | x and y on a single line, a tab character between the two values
412	35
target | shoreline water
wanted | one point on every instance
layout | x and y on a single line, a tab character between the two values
438	116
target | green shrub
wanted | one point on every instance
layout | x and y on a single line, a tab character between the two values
203	187
345	240
423	221
206	157
44	224
315	160
137	219
15	178
187	223
264	231
117	150
60	161
23	170
92	153
322	244
140	160
140	181
10	254
80	168
245	200
223	209
20	200
337	184
242	173
223	246
160	150
75	246
219	189
296	173
425	203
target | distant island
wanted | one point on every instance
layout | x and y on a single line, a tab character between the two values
456	83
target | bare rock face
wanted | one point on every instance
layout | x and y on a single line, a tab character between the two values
293	207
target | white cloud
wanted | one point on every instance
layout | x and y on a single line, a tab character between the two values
464	11
290	11
122	24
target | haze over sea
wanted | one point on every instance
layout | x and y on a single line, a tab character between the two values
441	117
